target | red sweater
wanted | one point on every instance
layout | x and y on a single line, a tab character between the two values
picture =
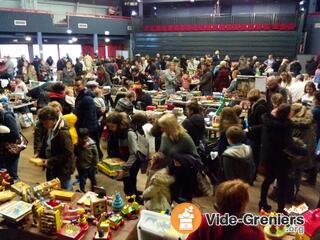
239	232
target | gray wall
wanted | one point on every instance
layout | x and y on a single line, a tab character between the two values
313	35
234	43
44	23
280	7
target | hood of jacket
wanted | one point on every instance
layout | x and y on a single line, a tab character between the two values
61	125
303	122
71	119
162	177
241	151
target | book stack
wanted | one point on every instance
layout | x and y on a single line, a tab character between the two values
15	211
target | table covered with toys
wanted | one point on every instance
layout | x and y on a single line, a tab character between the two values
48	212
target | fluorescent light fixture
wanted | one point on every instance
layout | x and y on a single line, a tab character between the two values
106	32
70	41
74	39
28	38
155	8
302	9
69	31
191	0
138	0
301	2
15	40
107	40
133	13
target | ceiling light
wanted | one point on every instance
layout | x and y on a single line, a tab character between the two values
74	39
155	8
15	40
28	38
70	41
138	0
106	33
302	9
107	40
45	40
69	31
191	0
301	2
133	13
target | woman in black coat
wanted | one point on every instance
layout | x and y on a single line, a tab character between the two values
277	137
258	108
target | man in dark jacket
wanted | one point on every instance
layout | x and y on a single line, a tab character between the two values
206	81
311	66
57	147
86	111
195	124
78	67
295	67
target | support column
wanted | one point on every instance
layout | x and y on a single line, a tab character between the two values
140	9
95	43
39	40
131	45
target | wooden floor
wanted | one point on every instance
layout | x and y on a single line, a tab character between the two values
33	175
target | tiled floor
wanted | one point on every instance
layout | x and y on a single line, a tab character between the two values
32	175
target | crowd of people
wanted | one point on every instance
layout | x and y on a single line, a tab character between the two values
279	133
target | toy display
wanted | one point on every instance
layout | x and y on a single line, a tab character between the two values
15	211
103	229
6	195
45	188
131	209
111	166
62	195
117	203
71	231
50	221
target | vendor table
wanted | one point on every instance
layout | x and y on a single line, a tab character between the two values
25	232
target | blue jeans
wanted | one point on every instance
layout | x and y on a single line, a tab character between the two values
66	183
11	164
87	173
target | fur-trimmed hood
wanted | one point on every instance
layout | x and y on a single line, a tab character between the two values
304	121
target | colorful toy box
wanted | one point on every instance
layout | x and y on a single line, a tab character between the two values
111	166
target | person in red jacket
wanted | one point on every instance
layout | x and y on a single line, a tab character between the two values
222	80
231	197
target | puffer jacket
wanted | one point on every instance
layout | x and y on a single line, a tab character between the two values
157	195
305	129
237	162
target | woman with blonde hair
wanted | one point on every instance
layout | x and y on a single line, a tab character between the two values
180	150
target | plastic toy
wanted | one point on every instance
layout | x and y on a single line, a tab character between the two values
72	231
311	225
115	221
117	203
103	228
6	196
5	175
130	209
273	231
72	214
